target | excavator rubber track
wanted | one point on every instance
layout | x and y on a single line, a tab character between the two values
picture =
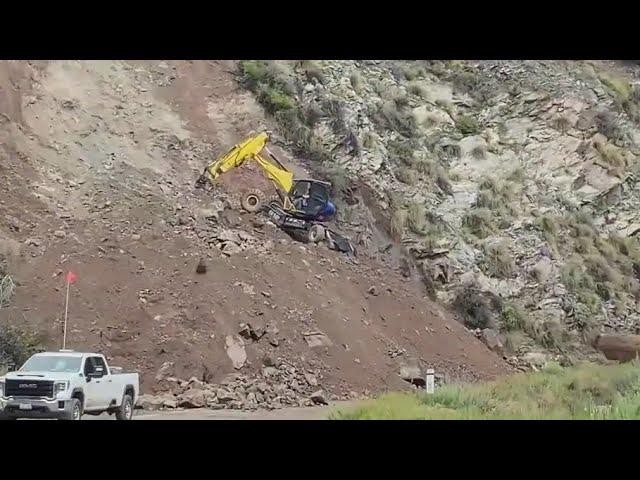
299	228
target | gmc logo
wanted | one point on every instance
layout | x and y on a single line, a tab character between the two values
28	385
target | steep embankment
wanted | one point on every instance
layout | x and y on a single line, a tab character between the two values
98	161
513	186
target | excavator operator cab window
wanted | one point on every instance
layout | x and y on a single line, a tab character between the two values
310	197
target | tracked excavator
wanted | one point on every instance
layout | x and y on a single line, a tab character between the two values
300	207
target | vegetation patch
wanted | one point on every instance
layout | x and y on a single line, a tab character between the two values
583	392
498	261
468	125
16	346
476	307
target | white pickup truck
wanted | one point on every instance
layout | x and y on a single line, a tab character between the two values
65	385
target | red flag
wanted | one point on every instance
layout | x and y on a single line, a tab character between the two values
71	277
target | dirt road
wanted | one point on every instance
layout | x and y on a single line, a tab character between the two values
304	413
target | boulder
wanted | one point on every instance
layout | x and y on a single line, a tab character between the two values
319	398
192	398
622	348
224	396
164	371
311	379
235	351
492	340
156	402
537	359
317	339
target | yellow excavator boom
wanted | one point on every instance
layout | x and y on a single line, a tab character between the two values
250	150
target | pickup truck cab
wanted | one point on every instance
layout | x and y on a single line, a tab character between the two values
65	385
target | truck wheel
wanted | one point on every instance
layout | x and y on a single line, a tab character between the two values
252	200
125	412
75	413
316	233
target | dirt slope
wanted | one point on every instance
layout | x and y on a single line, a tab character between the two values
99	160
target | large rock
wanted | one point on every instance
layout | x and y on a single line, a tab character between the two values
192	398
319	398
225	396
164	371
537	359
235	351
317	339
156	402
492	340
622	348
251	332
412	373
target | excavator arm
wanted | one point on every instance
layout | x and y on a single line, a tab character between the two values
251	150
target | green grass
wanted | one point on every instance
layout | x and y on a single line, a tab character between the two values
584	392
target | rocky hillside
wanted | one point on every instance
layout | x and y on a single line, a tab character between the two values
100	160
511	187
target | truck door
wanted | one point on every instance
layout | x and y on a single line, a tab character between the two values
94	371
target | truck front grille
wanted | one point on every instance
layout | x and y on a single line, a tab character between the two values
29	388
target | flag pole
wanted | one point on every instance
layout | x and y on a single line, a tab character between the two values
66	312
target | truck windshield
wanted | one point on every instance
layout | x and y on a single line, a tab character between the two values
52	364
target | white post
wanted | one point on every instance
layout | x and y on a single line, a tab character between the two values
430	381
66	312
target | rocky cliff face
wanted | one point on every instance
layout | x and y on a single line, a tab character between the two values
512	187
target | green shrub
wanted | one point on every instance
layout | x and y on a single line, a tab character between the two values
418	89
393	117
498	261
561	123
474	308
465	81
615	159
254	72
512	318
426	166
276	100
398	222
547	332
417	215
17	345
412	73
339	177
442	181
7	287
480	222
468	125
549	226
607	124
479	152
406	175
312	70
575	277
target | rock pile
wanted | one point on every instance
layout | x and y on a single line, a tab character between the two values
275	387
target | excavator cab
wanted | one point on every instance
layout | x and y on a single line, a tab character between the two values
311	199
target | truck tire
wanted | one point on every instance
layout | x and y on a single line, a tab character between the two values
75	412
316	233
252	200
125	411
